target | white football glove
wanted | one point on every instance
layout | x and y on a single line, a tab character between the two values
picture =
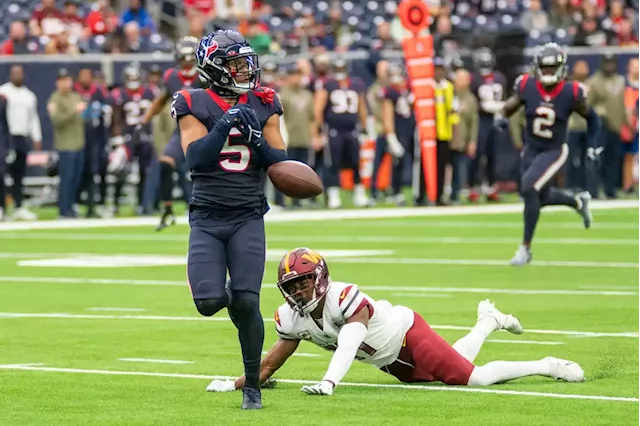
325	387
395	147
221	386
118	159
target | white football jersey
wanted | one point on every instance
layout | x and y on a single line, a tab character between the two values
387	327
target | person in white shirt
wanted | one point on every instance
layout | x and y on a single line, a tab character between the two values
24	127
342	319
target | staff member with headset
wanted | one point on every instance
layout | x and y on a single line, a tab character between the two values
66	109
24	124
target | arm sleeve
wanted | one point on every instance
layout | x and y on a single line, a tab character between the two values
34	121
349	340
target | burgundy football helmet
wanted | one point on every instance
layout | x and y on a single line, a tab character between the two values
303	279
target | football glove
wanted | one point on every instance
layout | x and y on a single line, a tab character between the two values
248	124
325	387
10	157
221	386
394	146
593	156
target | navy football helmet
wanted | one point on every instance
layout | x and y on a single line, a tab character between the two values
484	61
186	55
227	63
550	64
397	73
132	76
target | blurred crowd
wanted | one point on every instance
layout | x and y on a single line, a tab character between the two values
289	26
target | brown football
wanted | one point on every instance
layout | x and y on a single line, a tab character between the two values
295	179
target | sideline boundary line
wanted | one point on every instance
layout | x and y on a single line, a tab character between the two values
315	215
443	388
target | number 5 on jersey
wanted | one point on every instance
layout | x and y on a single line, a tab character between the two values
235	155
545	119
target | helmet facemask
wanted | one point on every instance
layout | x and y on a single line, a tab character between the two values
240	74
304	292
551	70
132	78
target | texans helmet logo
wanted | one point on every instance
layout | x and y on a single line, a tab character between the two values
211	49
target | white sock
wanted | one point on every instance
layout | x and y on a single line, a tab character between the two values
502	371
470	345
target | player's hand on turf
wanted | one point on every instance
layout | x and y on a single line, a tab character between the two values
325	387
249	124
221	386
501	123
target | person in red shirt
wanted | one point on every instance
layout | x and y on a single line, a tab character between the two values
46	19
72	19
18	43
199	7
101	20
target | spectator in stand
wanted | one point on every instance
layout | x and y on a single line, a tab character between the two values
18	43
102	19
625	34
46	19
196	26
201	8
73	20
136	13
590	34
535	18
560	16
258	37
233	9
134	42
319	40
61	43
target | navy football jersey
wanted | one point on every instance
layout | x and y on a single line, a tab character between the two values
343	103
488	89
133	105
174	81
404	117
548	112
232	184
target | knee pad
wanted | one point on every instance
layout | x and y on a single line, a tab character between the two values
245	302
209	307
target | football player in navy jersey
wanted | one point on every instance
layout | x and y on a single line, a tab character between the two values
340	106
548	100
96	98
489	86
130	138
229	132
183	76
399	122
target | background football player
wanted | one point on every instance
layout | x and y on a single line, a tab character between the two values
130	138
340	318
184	75
548	102
489	86
340	105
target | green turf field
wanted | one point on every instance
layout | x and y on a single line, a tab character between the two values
90	330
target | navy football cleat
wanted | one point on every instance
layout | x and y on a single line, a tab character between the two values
251	399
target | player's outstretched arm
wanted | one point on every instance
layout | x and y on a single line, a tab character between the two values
156	106
511	105
319	105
351	336
593	119
273	360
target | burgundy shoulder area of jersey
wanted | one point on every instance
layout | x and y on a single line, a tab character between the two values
276	318
348	297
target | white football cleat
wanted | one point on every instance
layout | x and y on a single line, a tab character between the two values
504	322
565	370
360	198
333	195
24	214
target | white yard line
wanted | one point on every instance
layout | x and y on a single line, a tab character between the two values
325	239
110	309
304	382
416	289
314	215
181	259
502	224
300	354
62	315
525	342
423	295
155	361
